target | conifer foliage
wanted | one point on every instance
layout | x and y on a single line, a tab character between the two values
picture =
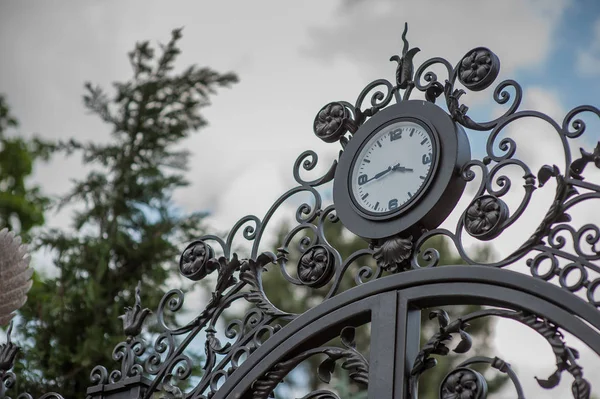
125	227
22	204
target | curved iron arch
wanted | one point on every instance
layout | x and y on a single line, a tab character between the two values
416	289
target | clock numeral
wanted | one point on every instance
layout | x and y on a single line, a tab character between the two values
362	179
426	159
395	134
393	204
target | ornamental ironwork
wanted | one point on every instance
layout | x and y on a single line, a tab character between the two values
396	274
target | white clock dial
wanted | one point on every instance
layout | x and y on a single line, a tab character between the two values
392	167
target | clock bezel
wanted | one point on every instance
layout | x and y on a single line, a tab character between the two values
438	198
406	206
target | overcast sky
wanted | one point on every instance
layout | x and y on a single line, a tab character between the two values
293	57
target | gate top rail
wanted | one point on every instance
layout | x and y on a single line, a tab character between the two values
557	250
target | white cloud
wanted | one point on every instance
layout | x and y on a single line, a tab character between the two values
588	59
520	32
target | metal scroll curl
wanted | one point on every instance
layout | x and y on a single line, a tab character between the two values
469	383
571	252
488	215
233	279
320	264
8	379
351	360
240	279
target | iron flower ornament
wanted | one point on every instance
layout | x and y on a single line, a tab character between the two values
478	69
194	262
485	216
463	383
332	122
316	266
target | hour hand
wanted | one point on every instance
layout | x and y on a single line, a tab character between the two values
380	174
399	168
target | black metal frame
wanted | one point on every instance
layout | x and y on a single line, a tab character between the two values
260	349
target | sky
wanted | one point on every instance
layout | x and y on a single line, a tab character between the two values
292	58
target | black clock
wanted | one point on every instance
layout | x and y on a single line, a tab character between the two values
401	171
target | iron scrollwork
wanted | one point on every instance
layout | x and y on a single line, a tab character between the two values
405	69
468	382
8	354
352	360
488	216
321	265
161	365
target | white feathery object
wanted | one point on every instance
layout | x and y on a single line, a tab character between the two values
15	275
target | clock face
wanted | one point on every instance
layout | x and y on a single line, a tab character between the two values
400	171
392	168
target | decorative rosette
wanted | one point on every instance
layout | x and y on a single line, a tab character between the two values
316	266
478	69
332	122
463	383
484	217
194	264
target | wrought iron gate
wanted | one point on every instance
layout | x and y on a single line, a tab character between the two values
249	357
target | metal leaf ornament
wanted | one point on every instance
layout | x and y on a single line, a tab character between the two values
404	71
15	275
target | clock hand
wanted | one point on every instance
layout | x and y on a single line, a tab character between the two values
399	168
380	174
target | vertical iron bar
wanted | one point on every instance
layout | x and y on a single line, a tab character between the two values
408	336
382	351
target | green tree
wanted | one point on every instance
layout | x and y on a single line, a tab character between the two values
305	298
22	205
128	228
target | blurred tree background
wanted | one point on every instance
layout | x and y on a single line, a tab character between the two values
22	205
125	227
